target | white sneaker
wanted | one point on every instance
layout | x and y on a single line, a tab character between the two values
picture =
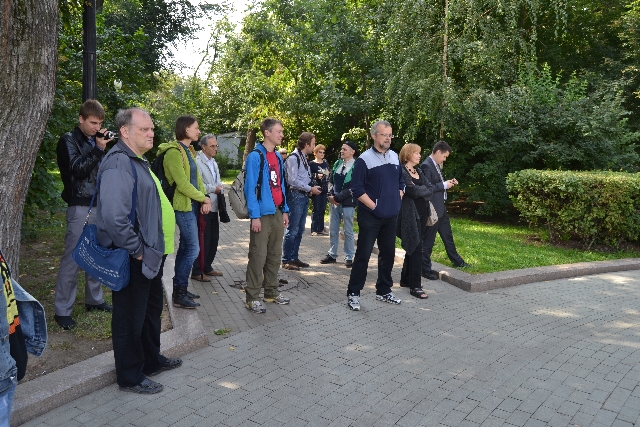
354	302
256	307
390	298
280	299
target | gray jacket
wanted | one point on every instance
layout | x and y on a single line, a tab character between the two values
210	182
115	200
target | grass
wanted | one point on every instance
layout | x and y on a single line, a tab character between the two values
229	175
490	247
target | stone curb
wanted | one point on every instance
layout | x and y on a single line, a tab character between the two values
41	395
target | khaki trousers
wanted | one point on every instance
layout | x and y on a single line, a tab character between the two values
265	251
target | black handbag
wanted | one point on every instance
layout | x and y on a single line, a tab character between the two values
222	209
109	266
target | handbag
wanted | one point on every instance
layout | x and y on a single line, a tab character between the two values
109	266
433	215
222	209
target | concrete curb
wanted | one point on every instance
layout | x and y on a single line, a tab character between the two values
41	395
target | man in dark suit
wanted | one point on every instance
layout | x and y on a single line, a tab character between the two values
432	170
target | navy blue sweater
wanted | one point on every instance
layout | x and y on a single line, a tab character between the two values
380	177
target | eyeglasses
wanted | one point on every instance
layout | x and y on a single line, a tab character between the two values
387	135
212	146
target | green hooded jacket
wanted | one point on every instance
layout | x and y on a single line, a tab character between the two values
176	168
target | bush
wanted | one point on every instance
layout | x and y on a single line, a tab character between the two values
592	207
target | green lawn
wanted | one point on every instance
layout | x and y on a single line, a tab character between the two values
492	247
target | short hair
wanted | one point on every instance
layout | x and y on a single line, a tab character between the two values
268	124
374	126
91	107
407	151
204	141
441	146
319	147
304	139
125	117
182	123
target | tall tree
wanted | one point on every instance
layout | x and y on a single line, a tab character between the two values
28	59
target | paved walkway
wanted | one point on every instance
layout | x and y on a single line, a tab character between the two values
558	353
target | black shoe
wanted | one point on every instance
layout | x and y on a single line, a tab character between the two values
290	266
147	386
168	365
462	265
65	322
100	307
328	260
431	275
192	296
300	263
180	298
348	263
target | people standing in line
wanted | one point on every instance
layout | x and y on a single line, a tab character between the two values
298	176
190	196
432	168
79	153
319	176
378	185
343	205
283	153
213	185
412	221
268	211
135	324
23	328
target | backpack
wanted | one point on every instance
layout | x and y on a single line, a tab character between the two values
157	167
237	201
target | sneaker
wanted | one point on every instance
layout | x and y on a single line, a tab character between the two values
256	307
290	266
328	260
147	386
168	365
390	298
354	302
300	263
348	263
280	299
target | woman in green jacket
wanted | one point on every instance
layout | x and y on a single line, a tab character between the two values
190	196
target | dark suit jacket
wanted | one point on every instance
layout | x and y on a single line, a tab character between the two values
437	198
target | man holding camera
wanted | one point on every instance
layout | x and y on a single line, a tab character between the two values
79	153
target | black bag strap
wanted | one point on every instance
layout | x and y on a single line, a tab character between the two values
258	187
134	196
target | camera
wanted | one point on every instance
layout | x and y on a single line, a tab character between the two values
107	135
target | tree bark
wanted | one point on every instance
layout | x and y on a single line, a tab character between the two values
28	62
250	144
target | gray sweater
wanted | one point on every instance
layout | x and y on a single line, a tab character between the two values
115	200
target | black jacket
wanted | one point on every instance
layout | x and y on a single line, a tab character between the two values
78	162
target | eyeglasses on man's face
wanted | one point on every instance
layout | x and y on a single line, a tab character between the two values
387	135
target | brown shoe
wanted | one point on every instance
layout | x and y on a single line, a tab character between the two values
290	266
201	278
214	273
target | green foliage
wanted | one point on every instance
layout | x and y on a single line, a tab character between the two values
592	207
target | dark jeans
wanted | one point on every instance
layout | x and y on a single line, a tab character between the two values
442	227
211	239
135	326
411	275
317	214
372	228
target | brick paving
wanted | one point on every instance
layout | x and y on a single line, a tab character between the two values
557	353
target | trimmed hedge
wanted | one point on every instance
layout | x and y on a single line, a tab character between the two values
592	207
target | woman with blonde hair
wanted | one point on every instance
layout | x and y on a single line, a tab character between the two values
412	220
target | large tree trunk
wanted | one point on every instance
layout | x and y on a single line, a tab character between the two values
28	61
250	144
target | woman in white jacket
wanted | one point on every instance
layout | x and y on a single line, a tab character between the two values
211	177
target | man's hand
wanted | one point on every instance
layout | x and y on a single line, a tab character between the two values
139	258
450	183
332	200
205	208
219	189
316	190
256	224
101	143
285	219
401	194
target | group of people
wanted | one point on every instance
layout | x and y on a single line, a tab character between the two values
394	197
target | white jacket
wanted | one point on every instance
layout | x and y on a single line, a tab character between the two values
209	182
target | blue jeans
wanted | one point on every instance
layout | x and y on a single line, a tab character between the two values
317	214
298	207
371	229
188	248
337	213
6	401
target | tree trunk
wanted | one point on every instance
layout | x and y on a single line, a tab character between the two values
28	61
250	144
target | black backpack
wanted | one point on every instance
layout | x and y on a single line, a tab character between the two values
157	167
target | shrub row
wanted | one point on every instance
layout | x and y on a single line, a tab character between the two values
592	207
